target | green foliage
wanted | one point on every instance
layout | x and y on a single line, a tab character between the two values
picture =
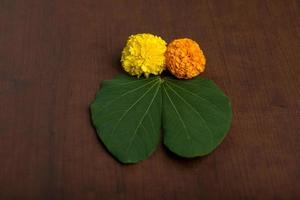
127	114
196	116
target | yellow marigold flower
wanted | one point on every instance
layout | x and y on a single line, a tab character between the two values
184	58
144	54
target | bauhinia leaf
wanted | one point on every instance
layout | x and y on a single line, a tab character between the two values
196	116
127	116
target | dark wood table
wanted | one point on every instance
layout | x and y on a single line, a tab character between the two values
55	53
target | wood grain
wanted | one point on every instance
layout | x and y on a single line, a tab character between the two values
55	53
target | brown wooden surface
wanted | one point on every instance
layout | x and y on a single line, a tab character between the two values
55	53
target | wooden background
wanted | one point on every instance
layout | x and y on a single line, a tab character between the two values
55	53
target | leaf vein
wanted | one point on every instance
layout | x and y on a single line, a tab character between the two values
142	119
194	109
216	108
181	120
124	94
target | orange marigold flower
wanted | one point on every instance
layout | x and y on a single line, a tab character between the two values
184	58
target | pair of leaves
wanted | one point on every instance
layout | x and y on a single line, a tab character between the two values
129	112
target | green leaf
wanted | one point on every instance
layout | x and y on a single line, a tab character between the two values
196	116
127	116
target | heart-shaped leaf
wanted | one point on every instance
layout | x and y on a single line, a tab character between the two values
127	116
196	116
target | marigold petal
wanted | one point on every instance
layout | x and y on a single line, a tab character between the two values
144	54
184	58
